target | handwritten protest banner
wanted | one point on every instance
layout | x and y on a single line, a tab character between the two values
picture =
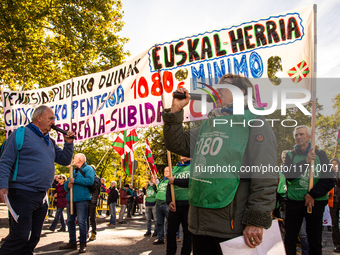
129	96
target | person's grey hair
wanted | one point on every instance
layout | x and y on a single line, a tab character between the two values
308	130
62	176
81	155
38	111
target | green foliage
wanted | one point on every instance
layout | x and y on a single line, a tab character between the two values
45	42
328	127
95	149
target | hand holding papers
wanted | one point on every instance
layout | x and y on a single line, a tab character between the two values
272	244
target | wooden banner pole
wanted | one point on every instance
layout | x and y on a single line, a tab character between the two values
311	169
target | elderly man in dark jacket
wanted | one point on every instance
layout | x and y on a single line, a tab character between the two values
225	203
112	202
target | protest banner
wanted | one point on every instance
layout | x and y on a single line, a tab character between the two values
129	96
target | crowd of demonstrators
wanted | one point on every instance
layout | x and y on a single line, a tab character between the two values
26	189
112	202
83	178
211	197
123	195
150	205
162	209
334	205
179	211
298	197
60	202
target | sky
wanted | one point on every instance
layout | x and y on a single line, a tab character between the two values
148	22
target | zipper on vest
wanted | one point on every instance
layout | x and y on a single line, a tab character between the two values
232	212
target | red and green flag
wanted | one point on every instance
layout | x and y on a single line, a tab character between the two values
124	146
338	138
298	72
149	158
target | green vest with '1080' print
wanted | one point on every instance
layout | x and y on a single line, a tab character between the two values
218	156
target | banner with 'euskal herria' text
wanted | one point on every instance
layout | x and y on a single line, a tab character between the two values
130	95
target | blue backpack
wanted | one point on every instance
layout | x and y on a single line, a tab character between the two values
19	137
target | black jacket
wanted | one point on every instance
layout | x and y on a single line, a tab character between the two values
113	196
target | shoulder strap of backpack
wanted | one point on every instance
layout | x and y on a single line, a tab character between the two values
82	172
2	147
19	138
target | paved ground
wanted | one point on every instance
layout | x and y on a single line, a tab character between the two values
124	239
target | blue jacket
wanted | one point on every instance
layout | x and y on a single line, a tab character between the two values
36	162
80	187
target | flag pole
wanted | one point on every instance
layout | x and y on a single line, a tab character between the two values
71	166
103	157
336	148
168	153
170	173
121	175
132	167
311	171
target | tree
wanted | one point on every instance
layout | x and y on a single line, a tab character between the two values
328	127
44	42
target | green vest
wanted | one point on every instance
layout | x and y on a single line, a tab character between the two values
218	156
150	194
181	172
298	188
282	187
161	192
